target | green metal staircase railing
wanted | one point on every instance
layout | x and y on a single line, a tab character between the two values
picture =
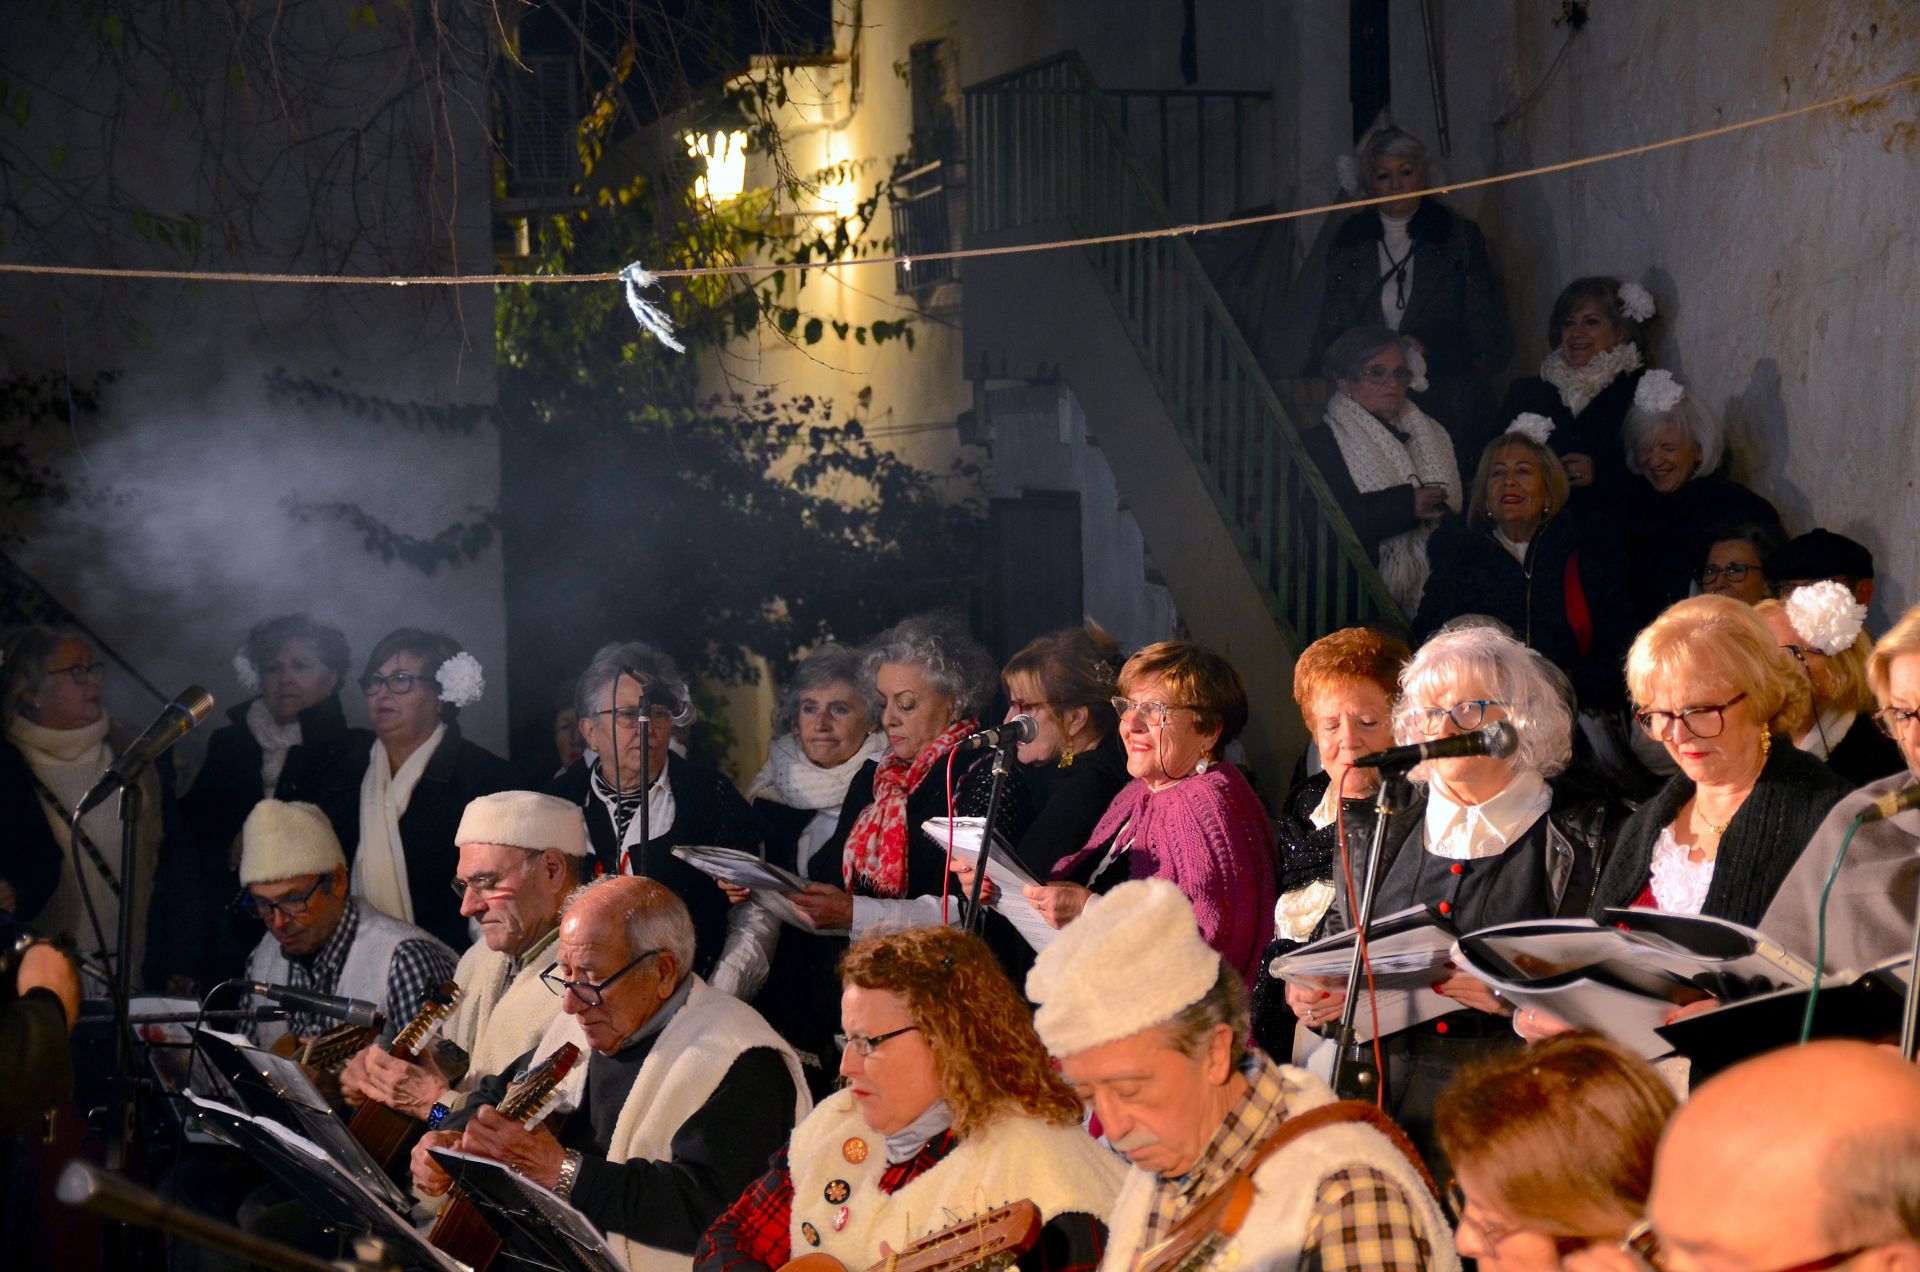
1045	147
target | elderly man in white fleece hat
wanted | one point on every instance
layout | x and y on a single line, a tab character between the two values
1150	1028
521	854
320	939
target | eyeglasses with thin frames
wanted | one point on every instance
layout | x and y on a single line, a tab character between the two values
628	718
292	908
1156	713
593	994
1734	573
1491	1235
863	1046
1467	715
1381	377
489	881
80	673
1701	722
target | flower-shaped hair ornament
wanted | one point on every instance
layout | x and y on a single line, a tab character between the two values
1536	428
1417	364
245	672
1636	302
461	683
1826	615
1658	392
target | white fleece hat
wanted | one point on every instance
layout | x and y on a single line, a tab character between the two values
284	841
1132	960
524	819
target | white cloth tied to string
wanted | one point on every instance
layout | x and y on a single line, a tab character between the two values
645	312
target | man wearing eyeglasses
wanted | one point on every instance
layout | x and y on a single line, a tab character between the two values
1805	1159
521	853
686	1094
318	938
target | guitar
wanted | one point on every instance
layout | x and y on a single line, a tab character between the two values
330	1051
381	1130
461	1230
990	1241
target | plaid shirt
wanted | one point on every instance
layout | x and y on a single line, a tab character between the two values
418	967
756	1232
1361	1219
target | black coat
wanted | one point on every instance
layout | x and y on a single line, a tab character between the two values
1473	574
30	857
1454	310
1596	432
1668	536
706	810
1865	755
458	773
1375	515
1071	803
1762	842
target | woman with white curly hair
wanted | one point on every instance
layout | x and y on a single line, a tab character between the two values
1676	506
1824	629
1553	578
1485	842
1391	469
420	777
933	680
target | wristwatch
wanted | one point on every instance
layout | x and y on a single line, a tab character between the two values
437	1116
569	1171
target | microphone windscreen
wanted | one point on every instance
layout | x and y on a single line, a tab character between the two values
1502	739
197	701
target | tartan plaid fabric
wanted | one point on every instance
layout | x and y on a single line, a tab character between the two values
1363	1221
1251	1122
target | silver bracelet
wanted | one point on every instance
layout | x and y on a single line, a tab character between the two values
569	1171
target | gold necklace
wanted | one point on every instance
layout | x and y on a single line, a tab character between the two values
1718	831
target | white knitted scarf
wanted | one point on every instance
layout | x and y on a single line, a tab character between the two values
789	777
275	741
380	867
1378	459
1578	386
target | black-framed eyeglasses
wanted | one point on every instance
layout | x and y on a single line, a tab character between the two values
1701	722
1643	1243
863	1046
80	673
290	907
487	881
1156	713
399	683
1894	721
1734	573
589	992
1467	715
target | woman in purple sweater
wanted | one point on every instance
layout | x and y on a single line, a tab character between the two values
1186	816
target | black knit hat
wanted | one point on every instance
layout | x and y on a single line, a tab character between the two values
1819	554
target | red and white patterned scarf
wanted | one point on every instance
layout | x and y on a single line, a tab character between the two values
876	852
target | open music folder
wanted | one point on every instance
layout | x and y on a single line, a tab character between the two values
1004	871
514	1203
1408	951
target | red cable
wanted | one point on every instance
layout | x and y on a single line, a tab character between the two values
1360	938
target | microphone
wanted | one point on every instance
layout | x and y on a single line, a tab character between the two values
1891	805
355	1011
175	721
1022	728
1498	740
649	698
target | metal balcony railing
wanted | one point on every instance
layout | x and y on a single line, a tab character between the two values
1045	147
925	202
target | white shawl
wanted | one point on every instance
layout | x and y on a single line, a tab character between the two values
1578	386
275	741
1378	460
380	867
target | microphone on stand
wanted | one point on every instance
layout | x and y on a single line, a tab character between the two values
1022	728
355	1011
1498	740
1890	805
176	720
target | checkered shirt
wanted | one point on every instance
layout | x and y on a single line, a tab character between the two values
418	967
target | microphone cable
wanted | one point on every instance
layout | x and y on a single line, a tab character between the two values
1820	942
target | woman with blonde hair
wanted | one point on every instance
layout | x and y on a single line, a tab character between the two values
1824	629
1870	916
1552	1150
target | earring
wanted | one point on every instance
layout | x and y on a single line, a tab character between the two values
1066	756
1766	743
1202	765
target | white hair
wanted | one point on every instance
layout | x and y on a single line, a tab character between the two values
1483	662
659	922
1697	424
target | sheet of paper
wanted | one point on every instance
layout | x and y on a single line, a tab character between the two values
1406	951
741	869
1004	870
567	1235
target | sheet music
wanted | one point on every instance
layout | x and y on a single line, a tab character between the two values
1408	950
1004	870
741	869
533	1208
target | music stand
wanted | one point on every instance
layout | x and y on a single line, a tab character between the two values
515	1204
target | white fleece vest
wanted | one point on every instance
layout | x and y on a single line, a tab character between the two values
498	1020
693	1053
364	975
1061	1169
1275	1230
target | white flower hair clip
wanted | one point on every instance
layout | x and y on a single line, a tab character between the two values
1826	615
1346	170
245	672
1658	392
1417	364
1535	428
1636	302
461	683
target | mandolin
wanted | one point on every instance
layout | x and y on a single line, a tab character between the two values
990	1241
381	1130
461	1230
330	1051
